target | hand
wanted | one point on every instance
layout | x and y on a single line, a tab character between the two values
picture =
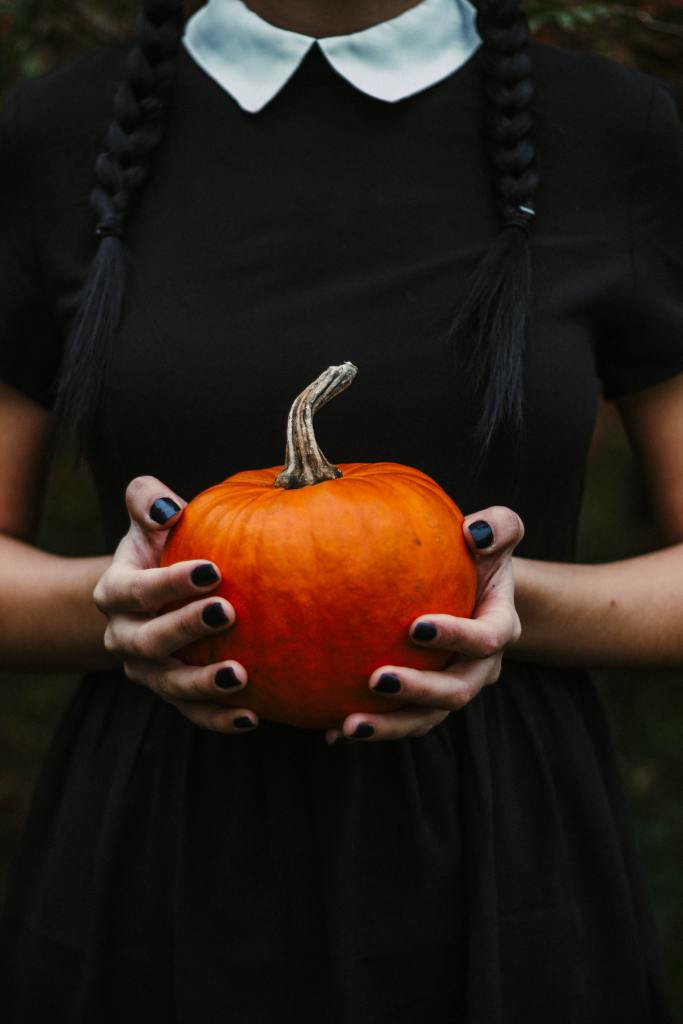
134	589
478	642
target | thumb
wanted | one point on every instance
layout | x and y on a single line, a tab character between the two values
493	533
152	506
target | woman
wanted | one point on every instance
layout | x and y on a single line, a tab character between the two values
420	193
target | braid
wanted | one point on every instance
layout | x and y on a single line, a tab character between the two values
491	325
133	136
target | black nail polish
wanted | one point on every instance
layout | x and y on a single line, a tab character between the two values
387	683
214	615
363	731
482	534
227	679
204	575
243	722
425	631
162	510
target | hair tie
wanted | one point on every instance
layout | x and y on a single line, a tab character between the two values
522	219
105	229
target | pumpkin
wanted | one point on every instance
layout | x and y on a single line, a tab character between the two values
326	568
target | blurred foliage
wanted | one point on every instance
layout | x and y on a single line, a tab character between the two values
646	710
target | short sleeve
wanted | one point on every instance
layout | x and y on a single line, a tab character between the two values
647	346
30	346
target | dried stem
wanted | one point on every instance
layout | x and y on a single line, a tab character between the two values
305	464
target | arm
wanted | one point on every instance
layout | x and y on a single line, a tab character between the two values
47	616
89	613
628	612
623	613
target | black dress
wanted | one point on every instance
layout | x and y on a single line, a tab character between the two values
485	873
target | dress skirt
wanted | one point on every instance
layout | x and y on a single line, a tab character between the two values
483	874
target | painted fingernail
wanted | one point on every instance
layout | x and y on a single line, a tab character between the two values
204	575
244	723
214	615
227	679
363	731
482	534
163	509
425	631
387	683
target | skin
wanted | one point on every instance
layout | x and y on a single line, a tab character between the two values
328	17
88	613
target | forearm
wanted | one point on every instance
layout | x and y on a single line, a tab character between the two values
48	620
627	613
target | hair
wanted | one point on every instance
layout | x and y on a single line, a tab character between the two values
490	328
131	141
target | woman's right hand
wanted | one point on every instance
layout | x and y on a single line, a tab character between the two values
131	594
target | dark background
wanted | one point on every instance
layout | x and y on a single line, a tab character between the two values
645	709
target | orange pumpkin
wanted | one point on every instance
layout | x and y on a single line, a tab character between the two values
326	568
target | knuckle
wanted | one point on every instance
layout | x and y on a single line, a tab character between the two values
137	485
109	641
138	591
491	644
141	645
100	594
189	623
417	689
217	721
461	699
198	686
176	582
510	523
164	687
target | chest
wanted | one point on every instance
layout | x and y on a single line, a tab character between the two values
272	247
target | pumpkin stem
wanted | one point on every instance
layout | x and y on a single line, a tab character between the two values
305	464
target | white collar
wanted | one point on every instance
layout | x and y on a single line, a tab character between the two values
252	59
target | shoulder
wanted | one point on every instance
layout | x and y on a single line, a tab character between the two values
73	100
597	104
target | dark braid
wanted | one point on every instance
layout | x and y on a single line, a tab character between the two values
491	326
130	143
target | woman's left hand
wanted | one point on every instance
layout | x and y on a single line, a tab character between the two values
478	643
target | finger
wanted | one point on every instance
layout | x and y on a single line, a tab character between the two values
494	626
393	725
451	689
152	505
175	681
217	718
496	531
156	639
124	589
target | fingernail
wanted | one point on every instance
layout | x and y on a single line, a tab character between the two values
203	575
425	631
162	510
244	723
482	534
387	683
227	679
363	731
214	615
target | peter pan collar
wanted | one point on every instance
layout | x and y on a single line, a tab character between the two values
252	59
